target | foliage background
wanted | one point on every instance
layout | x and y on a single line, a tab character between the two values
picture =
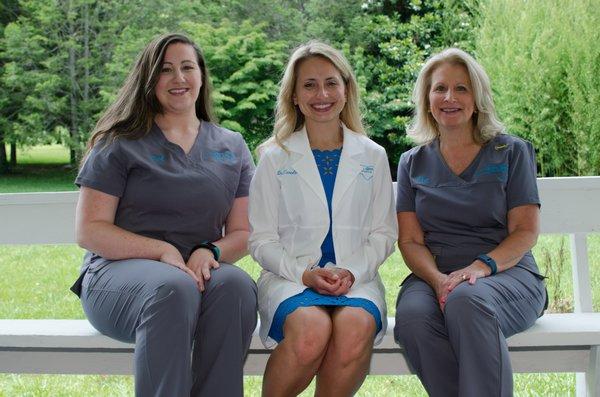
62	61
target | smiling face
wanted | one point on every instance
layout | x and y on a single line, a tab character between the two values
451	99
319	92
180	80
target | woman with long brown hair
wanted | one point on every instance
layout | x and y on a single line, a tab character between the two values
162	214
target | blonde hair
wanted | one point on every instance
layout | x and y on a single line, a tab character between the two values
288	117
423	128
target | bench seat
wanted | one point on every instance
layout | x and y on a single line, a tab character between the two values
556	343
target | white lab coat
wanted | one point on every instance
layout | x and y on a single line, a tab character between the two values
289	220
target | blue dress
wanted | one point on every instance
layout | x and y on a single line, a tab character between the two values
327	163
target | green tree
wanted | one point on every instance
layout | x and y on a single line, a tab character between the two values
9	10
66	74
544	62
389	45
245	66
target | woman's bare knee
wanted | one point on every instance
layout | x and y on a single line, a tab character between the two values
353	335
307	332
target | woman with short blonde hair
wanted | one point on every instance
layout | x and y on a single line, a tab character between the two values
468	216
424	129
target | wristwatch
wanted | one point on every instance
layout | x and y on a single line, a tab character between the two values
491	263
209	246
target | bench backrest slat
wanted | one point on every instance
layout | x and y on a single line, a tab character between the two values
37	218
569	206
582	287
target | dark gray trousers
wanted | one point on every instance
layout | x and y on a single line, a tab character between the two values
186	342
463	351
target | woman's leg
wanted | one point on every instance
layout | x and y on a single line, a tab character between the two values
480	317
421	330
295	361
225	326
154	305
348	356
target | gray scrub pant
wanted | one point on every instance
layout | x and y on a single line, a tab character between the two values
463	351
186	342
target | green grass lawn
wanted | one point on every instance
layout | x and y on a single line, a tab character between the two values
35	284
36	280
40	169
46	154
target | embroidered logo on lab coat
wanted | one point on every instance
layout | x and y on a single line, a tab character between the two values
367	171
286	171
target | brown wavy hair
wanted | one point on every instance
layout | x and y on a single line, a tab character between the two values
131	115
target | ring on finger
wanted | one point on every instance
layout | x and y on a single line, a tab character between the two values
464	277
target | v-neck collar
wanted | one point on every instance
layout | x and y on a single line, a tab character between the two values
163	139
467	173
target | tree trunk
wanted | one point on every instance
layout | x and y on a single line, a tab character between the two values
73	130
86	78
13	155
4	167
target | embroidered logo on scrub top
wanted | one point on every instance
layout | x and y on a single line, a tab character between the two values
498	147
367	171
158	158
422	180
499	170
286	171
225	156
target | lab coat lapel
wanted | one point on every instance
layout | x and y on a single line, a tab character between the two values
349	167
304	163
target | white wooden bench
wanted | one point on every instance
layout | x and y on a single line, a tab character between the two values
556	343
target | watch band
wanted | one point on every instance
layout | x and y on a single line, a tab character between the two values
209	246
489	261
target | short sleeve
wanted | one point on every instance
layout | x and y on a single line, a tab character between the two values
104	170
521	187
405	194
247	171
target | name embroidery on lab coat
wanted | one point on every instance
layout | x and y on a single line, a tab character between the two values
367	171
286	171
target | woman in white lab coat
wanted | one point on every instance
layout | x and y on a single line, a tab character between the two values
322	222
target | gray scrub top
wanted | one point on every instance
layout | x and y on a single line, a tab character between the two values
165	194
465	215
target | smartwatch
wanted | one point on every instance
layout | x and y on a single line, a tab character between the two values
491	263
209	246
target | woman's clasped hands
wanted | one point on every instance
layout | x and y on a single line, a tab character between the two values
328	280
198	265
447	282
